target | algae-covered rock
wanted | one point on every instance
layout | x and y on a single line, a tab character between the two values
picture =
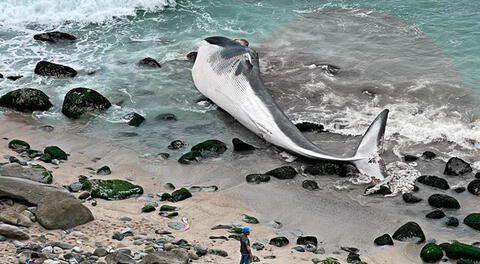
35	173
80	101
329	261
168	214
457	250
473	221
409	231
279	241
283	173
181	194
111	189
209	147
168	208
18	145
188	157
249	219
26	100
431	252
148	208
465	261
54	37
51	69
56	153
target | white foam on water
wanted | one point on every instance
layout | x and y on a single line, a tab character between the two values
401	179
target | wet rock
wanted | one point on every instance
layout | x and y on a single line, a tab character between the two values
14	78
112	189
56	153
190	157
50	69
104	170
310	185
279	241
383	240
435	214
177	144
434	181
54	37
428	155
218	252
460	189
410	158
26	100
166	117
192	56
181	194
477	175
307	240
474	187
431	252
409	231
10	231
382	190
310	127
18	145
456	166
147	208
410	198
249	219
149	62
257	178
443	201
452	221
84	195
134	119
168	208
35	173
80	101
353	258
473	221
283	173
239	145
326	168
457	250
210	146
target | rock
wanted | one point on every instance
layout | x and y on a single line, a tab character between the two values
35	173
474	187
168	214
189	157
410	158
249	219
434	181
84	195
57	211
100	252
168	208
211	188
26	100
75	187
456	166
54	37
147	208
166	117
452	221
112	189
169	186
310	127
56	153
105	170
299	248
209	147
460	189
435	214
239	145
216	227
428	155
218	252
181	194
431	252
443	201
14	78
326	168
18	145
307	240
382	190
176	225
10	231
410	198
473	220
50	69
118	236
279	241
458	250
119	257
283	173
477	175
149	62
353	258
134	119
80	101
14	218
257	178
27	191
383	240
192	56
409	231
310	185
177	144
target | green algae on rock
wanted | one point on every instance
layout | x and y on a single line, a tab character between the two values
431	252
56	153
80	101
112	189
181	194
457	250
26	100
473	221
17	144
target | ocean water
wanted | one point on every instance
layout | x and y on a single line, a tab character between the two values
420	59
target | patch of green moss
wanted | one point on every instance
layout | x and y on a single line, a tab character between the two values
457	250
329	261
47	175
188	157
431	252
18	144
111	189
167	207
473	221
56	153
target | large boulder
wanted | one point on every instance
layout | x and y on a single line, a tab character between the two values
50	69
35	173
26	100
431	252
80	101
112	189
14	232
57	211
458	250
409	231
26	190
434	181
474	187
443	201
54	37
456	166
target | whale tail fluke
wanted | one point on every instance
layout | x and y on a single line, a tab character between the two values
371	147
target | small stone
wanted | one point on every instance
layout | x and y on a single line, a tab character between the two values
50	69
474	187
310	185
283	173
147	208
169	186
443	201
134	119
279	241
192	56
257	178
249	219
326	168
84	195
428	155
218	252
383	240
176	225
54	37
452	221
149	62
410	198
435	214
460	189
258	246
310	127
168	214
105	170
118	236
456	166
307	240
56	153
125	219
181	194
276	224
434	181
473	220
299	248
75	187
383	190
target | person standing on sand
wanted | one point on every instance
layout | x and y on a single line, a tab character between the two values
245	250
33	259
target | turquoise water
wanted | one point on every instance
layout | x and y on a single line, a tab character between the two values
114	35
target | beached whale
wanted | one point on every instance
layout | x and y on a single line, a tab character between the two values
228	73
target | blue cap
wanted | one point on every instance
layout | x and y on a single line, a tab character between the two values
245	229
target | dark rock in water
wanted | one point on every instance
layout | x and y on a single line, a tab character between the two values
460	189
181	194
307	240
434	181
415	188
452	221
210	146
409	231
410	198
473	221
149	62
105	170
279	241
26	100
310	185
431	252
458	250
249	219
310	127
56	153
435	214
383	190
239	145
54	37
456	167
258	178
1	76
189	157
474	187
383	240
18	145
283	173
14	78
192	56
50	69
177	144
80	101
428	155
166	117
477	175
443	201
410	158
326	168
134	119
112	189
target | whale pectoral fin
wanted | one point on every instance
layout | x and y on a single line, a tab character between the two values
371	147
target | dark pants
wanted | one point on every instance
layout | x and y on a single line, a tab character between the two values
245	259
